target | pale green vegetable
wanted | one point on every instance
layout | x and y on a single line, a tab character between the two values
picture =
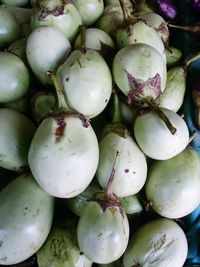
26	214
96	39
173	185
128	4
46	47
87	82
43	103
173	55
90	10
22	14
128	113
158	243
16	133
15	3
111	18
9	27
130	168
18	48
130	33
103	232
157	22
63	155
61	248
60	14
155	138
139	71
77	204
14	77
64	152
131	204
173	95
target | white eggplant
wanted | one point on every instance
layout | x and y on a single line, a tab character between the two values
140	72
46	48
26	214
87	82
90	10
160	243
63	155
16	133
155	138
173	185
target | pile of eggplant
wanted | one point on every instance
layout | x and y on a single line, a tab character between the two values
99	133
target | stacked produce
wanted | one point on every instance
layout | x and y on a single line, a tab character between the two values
98	161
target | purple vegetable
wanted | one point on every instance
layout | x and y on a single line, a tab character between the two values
166	8
196	5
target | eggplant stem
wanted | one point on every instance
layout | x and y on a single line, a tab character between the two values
188	28
59	91
124	10
108	190
161	115
192	58
82	32
192	137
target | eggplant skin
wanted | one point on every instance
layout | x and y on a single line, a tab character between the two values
26	214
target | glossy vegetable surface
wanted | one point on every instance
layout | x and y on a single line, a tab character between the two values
26	214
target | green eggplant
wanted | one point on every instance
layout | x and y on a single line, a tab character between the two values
173	185
17	131
26	214
173	95
61	248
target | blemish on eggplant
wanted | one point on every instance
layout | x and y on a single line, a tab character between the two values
45	157
4	259
100	234
36	214
126	171
160	242
60	120
26	210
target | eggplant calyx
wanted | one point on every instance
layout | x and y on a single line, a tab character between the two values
137	87
55	8
116	128
110	202
60	116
